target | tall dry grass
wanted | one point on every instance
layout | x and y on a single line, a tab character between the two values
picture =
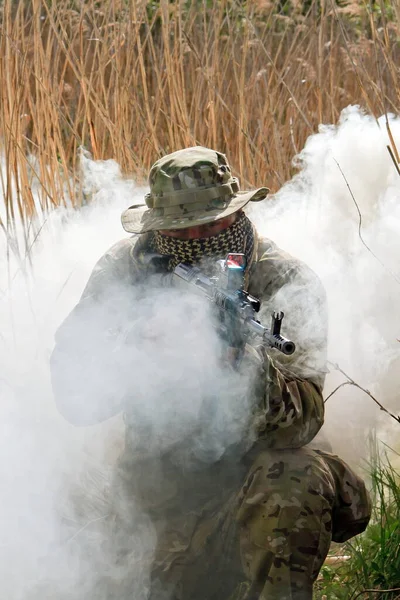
132	80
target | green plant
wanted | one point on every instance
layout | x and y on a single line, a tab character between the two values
374	562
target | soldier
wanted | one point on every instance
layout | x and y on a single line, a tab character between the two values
257	523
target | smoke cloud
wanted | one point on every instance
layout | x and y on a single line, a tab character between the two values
346	170
55	495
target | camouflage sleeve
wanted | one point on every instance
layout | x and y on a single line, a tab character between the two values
293	407
86	370
292	411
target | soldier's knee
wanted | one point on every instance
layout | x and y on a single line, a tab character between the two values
287	475
286	492
285	515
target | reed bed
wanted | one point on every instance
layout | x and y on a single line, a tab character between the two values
131	80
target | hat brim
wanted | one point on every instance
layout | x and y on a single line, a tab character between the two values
141	219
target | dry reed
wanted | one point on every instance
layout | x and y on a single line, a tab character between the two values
134	80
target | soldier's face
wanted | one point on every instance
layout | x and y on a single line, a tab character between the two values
201	231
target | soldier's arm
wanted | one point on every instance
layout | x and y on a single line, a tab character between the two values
87	370
293	406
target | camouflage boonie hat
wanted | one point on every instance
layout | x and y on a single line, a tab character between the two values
188	188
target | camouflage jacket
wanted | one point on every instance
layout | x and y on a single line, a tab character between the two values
290	408
193	506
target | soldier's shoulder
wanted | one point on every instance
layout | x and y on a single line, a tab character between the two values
116	266
119	262
271	256
275	266
123	251
267	248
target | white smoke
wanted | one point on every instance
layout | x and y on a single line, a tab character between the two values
56	498
43	457
315	218
46	462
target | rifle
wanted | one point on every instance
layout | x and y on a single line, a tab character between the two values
237	307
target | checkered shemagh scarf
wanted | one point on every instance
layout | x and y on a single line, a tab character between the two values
239	237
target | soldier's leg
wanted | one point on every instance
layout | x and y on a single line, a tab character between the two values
285	523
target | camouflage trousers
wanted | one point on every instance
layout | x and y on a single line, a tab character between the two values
266	542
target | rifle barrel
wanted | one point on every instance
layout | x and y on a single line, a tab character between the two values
273	340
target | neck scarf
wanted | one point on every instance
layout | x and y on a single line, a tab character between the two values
239	237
